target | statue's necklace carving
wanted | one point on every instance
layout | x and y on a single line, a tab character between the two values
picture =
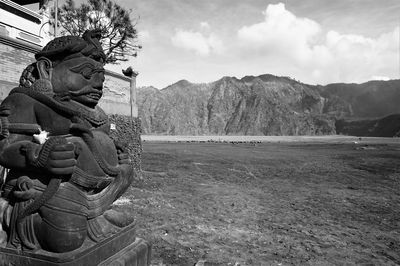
97	117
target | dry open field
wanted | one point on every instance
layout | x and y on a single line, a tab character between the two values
278	203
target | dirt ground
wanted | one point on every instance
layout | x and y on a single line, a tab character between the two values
269	203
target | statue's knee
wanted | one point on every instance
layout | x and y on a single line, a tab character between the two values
60	237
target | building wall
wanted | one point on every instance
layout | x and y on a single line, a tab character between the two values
116	94
23	24
13	61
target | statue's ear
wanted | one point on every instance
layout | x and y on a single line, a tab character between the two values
43	83
44	67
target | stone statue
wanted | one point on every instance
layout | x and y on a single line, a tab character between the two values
64	169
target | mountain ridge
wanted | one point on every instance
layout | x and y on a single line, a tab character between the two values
263	105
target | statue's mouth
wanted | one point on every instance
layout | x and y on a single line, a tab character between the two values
94	95
89	93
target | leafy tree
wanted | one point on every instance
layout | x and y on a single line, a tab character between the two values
119	35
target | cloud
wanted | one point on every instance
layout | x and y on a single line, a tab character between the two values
316	55
379	78
197	42
357	58
204	25
282	32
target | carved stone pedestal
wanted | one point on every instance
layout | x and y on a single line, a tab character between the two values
121	249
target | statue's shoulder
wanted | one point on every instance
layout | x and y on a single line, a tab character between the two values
18	105
17	97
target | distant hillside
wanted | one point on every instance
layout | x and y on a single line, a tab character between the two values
388	126
262	105
372	99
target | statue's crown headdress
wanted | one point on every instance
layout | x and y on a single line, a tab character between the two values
71	46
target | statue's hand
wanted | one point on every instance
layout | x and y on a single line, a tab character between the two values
123	158
56	156
123	155
61	160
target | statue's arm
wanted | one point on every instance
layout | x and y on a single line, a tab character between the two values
16	109
14	152
20	151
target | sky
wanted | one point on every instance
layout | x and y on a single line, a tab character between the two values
314	41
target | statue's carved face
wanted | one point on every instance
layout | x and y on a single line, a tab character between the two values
79	78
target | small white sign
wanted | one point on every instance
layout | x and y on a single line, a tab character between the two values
112	126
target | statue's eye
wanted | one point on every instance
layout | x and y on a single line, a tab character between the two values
87	72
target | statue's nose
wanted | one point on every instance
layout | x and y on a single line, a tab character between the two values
103	78
98	80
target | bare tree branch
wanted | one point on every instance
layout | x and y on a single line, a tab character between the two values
119	35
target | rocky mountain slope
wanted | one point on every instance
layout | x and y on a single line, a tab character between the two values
263	105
